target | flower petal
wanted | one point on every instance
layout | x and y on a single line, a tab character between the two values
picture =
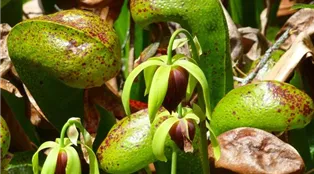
159	138
158	90
130	79
48	144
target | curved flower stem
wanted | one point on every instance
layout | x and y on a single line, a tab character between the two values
65	127
62	134
191	42
174	162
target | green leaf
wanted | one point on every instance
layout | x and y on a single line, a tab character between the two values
122	23
192	82
158	90
48	144
148	76
195	71
73	134
178	57
22	162
51	161
186	110
299	5
198	111
198	46
128	83
215	144
192	116
159	139
159	58
4	2
177	43
73	163
93	163
246	13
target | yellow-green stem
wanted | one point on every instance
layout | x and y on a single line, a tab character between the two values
179	110
174	162
191	43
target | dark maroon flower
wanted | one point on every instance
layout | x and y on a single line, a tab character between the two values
178	133
177	84
61	162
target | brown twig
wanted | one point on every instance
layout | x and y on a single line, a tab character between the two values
264	59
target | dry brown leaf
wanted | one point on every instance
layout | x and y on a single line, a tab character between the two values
285	8
91	114
6	63
234	37
301	47
254	43
301	21
36	116
250	150
264	16
108	10
8	86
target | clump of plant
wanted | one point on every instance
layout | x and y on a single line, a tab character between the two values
168	129
171	80
62	157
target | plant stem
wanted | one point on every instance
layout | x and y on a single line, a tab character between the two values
203	136
264	59
179	110
62	134
204	148
174	162
191	42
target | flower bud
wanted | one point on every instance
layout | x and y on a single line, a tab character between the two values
179	132
177	84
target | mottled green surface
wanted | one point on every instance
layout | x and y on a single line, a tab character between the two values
267	105
205	19
128	147
74	46
5	137
58	101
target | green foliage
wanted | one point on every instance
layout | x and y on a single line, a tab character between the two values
143	137
246	13
11	12
300	6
